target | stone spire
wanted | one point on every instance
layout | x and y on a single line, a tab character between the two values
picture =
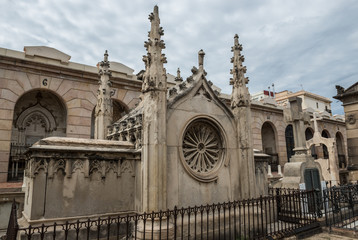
104	109
240	93
178	78
240	104
154	78
154	109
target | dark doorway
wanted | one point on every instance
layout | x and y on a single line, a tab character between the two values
312	182
290	142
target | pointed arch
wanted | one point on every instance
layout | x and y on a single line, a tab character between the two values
38	113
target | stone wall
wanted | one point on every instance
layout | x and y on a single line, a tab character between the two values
75	85
67	177
187	186
273	115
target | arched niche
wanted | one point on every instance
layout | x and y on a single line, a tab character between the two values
325	134
309	134
269	145
119	110
290	142
340	150
37	114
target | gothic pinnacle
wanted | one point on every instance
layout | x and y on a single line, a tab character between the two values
178	78
201	55
155	75
104	65
240	93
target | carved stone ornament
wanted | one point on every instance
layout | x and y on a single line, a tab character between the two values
351	119
202	149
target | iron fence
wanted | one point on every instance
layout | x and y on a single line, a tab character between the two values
341	207
13	226
283	213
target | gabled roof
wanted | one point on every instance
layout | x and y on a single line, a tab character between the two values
194	85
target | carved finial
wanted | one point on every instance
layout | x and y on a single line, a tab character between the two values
240	93
154	77
106	56
201	55
104	65
236	40
178	78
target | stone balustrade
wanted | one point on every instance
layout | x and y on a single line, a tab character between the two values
128	129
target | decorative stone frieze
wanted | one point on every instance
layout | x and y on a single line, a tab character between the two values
86	165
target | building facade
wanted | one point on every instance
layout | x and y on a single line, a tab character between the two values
44	94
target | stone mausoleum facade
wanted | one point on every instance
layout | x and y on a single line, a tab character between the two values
168	136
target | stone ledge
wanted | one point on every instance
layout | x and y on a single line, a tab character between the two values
82	144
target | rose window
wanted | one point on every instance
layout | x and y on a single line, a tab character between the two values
202	146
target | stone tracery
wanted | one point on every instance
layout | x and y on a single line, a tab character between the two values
202	146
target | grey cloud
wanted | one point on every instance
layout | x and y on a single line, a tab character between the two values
286	42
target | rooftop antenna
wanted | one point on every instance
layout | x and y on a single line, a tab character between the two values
269	91
273	90
301	86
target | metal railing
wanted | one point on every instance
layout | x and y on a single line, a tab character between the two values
282	213
17	161
341	207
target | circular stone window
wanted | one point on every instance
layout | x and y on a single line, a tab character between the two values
202	149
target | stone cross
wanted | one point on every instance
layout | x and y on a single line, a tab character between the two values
314	120
297	118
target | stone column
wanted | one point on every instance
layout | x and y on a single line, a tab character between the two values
240	104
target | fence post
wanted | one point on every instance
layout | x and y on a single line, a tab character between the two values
13	226
318	201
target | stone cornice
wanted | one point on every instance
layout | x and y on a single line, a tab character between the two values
266	108
63	72
304	93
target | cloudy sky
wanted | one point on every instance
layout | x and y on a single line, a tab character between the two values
296	44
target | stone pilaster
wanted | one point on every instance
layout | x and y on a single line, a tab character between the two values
240	104
154	105
104	108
